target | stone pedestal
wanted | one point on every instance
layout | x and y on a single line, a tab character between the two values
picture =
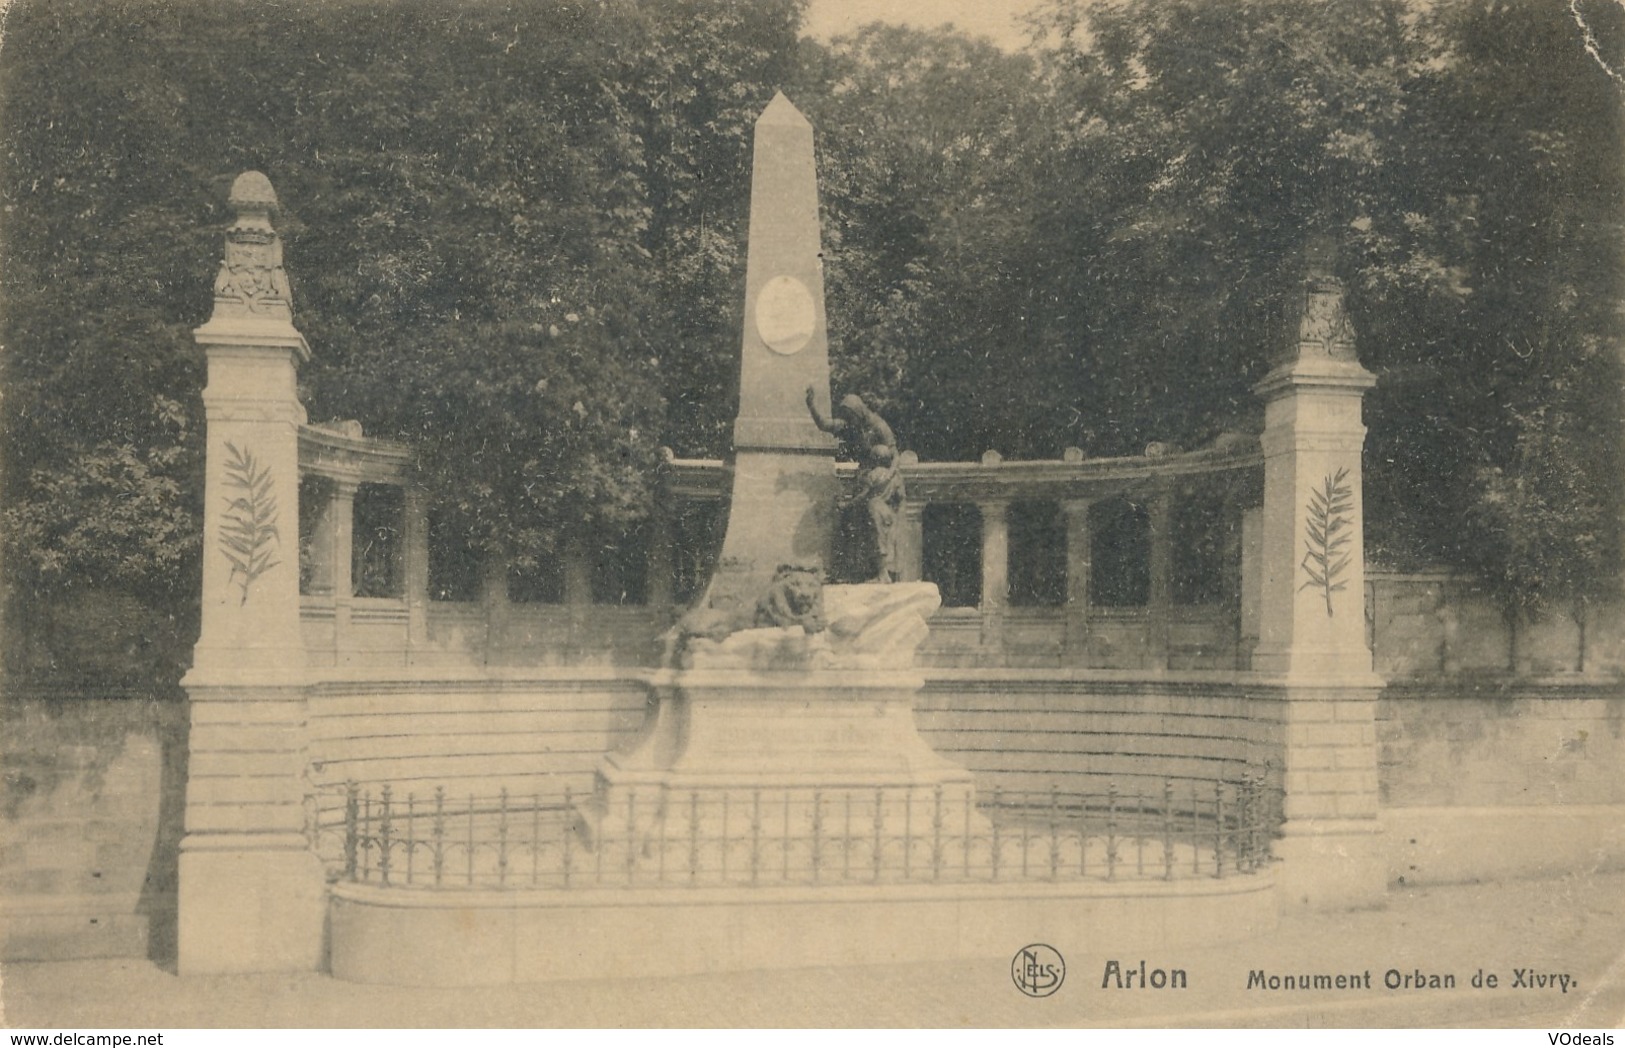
1322	738
735	756
783	747
790	728
254	904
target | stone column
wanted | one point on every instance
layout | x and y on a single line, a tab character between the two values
1160	601
913	542
344	489
1232	515
660	560
323	538
415	551
995	573
577	595
494	605
1322	708
252	894
1077	580
319	546
1252	586
577	574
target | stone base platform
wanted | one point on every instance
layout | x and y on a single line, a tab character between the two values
773	735
473	938
731	754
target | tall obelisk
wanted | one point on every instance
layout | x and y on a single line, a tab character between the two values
784	487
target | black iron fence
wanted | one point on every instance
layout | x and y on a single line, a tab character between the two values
660	837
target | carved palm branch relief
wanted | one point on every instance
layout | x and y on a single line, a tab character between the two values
1329	529
248	531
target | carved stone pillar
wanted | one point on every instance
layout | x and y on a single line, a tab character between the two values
995	572
1321	713
1076	512
1312	622
251	894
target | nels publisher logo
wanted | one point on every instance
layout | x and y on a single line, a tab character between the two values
1038	970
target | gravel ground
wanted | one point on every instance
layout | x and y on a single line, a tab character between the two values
1573	926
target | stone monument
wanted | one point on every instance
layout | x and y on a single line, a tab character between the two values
777	685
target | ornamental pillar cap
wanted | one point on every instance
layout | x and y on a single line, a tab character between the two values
252	192
253	303
1317	348
1318	323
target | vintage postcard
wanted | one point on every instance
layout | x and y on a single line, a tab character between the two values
682	513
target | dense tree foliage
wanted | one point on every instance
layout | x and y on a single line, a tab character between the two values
516	231
1525	386
933	150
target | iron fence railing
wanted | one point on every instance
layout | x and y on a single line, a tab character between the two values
799	837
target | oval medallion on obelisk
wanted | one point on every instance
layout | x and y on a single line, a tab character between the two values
785	315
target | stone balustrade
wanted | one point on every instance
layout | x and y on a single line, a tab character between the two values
1073	562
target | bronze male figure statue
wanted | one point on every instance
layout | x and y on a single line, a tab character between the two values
878	485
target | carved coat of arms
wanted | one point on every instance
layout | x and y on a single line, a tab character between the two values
252	272
1325	322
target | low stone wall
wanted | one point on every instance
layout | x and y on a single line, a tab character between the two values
1027	730
537	732
1501	744
94	790
1502	778
1431	624
1195	638
467	637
